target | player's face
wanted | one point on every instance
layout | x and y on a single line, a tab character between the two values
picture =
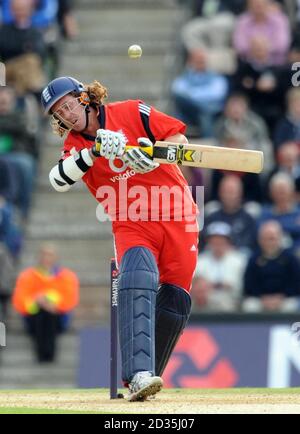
70	112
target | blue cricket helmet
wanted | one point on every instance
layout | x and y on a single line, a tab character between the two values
58	88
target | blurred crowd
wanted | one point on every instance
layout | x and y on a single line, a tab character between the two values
31	34
239	88
45	295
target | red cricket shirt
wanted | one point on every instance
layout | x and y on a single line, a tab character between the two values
131	199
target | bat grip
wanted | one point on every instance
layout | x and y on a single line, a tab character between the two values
148	149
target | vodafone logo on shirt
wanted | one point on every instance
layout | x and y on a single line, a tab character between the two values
126	175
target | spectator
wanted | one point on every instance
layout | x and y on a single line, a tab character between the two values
43	12
45	295
218	279
288	128
199	94
264	25
16	147
272	277
288	161
52	18
212	29
18	123
18	36
262	83
240	121
284	208
22	48
232	211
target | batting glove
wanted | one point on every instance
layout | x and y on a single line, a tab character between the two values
109	144
138	160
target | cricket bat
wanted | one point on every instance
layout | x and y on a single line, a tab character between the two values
209	157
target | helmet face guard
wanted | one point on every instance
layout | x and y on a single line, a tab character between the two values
59	124
57	89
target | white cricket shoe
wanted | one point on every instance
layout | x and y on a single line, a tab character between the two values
144	385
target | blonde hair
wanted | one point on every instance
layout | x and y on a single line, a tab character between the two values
94	95
96	92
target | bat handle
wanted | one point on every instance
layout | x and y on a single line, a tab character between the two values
146	148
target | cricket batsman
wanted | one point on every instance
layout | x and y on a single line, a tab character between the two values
156	256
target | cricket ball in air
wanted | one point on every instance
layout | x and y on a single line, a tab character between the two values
135	51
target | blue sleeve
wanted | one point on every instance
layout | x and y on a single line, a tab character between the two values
46	14
6	16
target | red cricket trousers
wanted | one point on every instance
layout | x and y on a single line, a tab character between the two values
174	248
